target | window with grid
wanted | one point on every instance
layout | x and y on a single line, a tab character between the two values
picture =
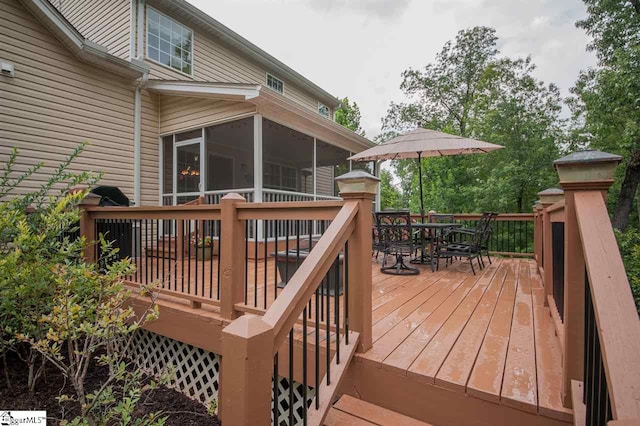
323	110
168	42
274	83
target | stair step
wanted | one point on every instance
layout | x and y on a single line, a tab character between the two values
352	411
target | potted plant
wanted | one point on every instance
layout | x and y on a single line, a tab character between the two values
204	248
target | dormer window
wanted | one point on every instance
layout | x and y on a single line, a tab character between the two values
274	83
323	110
168	42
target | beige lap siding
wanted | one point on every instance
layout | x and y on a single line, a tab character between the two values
55	102
214	62
106	22
181	113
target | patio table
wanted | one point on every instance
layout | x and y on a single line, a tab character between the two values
433	229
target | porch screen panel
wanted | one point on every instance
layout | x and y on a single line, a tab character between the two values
167	164
229	155
288	158
331	162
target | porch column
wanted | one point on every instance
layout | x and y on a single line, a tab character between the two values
257	169
359	186
580	171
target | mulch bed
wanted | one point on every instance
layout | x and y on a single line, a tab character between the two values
179	409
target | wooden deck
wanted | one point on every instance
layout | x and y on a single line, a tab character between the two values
488	336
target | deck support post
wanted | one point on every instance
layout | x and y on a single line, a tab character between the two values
246	372
580	171
232	256
361	187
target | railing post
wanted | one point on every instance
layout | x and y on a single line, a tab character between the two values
231	252
537	234
246	371
360	187
548	197
580	171
87	226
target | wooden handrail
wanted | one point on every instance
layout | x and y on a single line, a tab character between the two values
615	312
286	309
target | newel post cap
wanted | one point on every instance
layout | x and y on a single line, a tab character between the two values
551	195
589	169
357	181
537	205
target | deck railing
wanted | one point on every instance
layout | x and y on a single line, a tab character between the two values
512	233
587	288
296	303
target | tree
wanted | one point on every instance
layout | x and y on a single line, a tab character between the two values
605	101
391	197
471	91
349	116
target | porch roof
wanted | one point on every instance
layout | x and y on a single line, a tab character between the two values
270	104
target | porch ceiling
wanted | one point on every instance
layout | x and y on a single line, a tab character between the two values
270	104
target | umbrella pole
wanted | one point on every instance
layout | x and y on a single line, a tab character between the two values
421	196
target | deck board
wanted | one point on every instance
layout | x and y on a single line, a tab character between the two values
426	366
488	335
456	369
486	378
519	384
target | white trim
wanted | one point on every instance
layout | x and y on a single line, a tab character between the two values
140	34
133	13
145	43
224	91
257	168
315	169
266	82
85	50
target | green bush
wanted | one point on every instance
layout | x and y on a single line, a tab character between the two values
629	244
55	308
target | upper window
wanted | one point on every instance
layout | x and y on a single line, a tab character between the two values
323	110
274	83
168	42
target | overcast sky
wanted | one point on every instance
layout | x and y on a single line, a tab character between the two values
359	48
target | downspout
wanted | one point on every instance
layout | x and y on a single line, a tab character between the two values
137	137
137	107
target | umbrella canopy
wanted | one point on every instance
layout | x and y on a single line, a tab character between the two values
420	143
424	143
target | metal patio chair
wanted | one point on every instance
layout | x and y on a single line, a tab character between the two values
396	239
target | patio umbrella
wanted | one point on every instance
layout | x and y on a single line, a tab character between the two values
421	143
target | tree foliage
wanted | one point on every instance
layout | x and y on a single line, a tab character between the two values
471	91
606	99
349	116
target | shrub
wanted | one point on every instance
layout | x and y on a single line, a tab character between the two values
56	308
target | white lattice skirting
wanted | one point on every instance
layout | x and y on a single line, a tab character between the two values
197	372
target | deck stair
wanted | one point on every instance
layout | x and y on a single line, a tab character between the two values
352	411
